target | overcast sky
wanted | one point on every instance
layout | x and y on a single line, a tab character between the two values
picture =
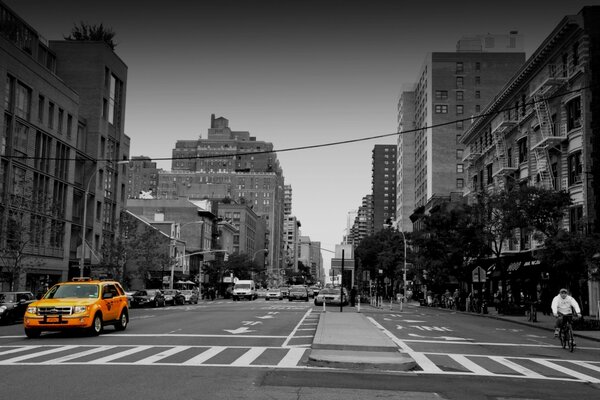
294	73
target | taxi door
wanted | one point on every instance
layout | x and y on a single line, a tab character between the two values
109	302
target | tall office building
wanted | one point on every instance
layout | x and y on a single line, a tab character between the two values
451	88
61	136
405	162
236	165
142	177
383	185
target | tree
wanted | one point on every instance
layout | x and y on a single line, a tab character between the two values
29	221
449	243
95	33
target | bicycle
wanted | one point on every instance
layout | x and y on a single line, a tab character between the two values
565	333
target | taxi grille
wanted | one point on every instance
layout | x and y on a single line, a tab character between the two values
55	310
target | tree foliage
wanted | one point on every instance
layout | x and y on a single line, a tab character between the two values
382	251
95	33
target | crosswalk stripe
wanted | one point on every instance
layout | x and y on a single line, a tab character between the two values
17	350
425	363
586	365
38	354
248	357
470	365
120	354
292	358
566	371
164	354
78	355
202	357
516	367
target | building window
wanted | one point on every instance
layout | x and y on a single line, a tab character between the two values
9	93
460	168
41	107
459	153
575	168
460	109
490	178
460	95
441	95
460	183
477	108
441	109
478	80
23	101
460	81
460	68
51	115
458	139
20	139
574	113
478	94
477	66
69	126
522	150
460	125
60	121
575	54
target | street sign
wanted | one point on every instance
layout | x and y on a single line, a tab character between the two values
478	275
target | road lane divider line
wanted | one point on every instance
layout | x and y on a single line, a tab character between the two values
291	335
566	371
248	357
163	354
78	355
292	358
470	365
516	367
121	354
38	354
204	356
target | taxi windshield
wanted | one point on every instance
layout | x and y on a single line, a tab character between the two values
84	291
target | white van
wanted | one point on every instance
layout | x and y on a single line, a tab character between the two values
244	290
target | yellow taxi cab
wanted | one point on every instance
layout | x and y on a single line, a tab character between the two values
82	303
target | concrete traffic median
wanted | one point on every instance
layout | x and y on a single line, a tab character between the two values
350	340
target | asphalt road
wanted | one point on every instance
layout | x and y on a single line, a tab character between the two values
259	350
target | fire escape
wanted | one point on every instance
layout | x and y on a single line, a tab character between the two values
552	80
506	163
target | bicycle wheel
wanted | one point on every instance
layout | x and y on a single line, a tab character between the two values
561	336
570	340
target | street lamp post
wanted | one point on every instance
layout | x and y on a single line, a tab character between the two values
84	227
404	275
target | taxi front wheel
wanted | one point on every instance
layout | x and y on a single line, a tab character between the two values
32	333
122	322
96	327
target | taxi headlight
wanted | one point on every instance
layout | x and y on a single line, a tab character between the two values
79	309
2	309
32	310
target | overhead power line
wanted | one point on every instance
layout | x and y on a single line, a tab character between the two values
314	146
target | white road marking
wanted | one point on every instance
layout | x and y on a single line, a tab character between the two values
208	354
470	365
516	367
162	355
291	335
116	356
248	357
566	371
292	358
34	355
77	355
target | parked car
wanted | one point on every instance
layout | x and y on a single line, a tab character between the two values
173	297
129	295
190	296
331	296
13	305
298	292
148	298
274	293
83	303
262	292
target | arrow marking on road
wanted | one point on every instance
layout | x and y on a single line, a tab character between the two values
438	337
238	330
266	317
251	322
411	321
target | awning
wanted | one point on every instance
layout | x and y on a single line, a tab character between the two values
514	266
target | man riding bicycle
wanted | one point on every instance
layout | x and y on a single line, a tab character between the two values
562	306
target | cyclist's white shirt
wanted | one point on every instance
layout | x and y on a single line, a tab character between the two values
563	306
